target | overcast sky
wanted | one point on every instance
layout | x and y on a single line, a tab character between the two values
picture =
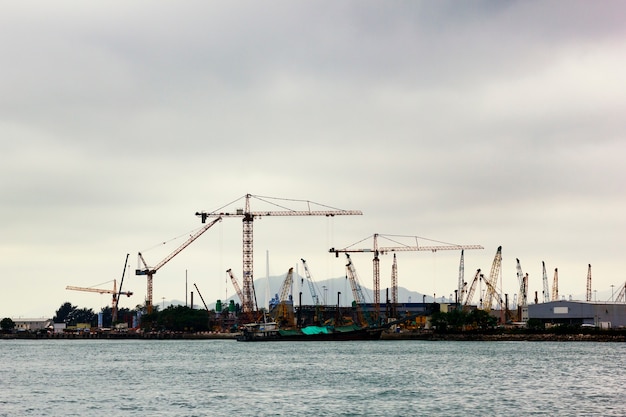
490	123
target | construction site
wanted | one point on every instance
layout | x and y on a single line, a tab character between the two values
481	292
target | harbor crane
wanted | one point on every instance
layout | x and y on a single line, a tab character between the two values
248	216
400	248
149	272
114	292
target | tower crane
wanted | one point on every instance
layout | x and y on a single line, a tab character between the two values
309	280
114	292
546	295
589	283
401	248
555	285
235	285
493	279
149	272
248	216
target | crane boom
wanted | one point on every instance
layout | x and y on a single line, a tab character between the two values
117	300
286	286
493	279
98	290
621	296
249	301
201	297
149	272
235	285
470	292
309	280
523	290
357	291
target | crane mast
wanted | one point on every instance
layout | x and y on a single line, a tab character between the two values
248	216
493	279
546	294
394	282
555	285
309	280
461	283
589	283
149	272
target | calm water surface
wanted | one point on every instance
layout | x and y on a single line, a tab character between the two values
390	378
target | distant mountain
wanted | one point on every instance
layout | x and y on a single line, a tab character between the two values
326	290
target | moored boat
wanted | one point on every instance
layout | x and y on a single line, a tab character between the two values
265	332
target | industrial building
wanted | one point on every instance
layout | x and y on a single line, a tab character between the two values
605	315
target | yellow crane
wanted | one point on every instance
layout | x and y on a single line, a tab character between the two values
114	292
283	312
248	216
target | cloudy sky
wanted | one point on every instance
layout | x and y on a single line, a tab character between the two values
490	123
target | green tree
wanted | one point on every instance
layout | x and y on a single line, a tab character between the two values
83	315
64	312
7	324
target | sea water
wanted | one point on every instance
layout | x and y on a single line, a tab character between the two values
380	378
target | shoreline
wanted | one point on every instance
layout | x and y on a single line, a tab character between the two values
424	336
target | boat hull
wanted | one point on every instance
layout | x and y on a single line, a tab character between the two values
248	335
